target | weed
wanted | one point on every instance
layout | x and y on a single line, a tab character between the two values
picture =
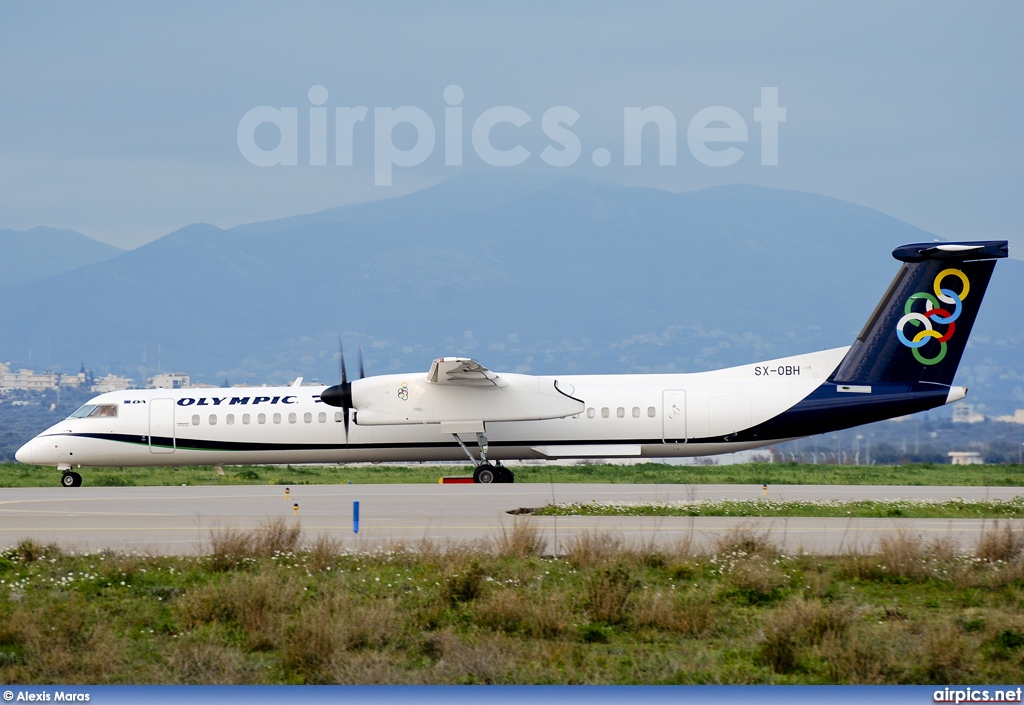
534	614
903	557
754	580
1008	639
466	585
688	614
266	608
228	548
522	540
323	552
231	548
946	656
204	657
1000	543
608	592
746	541
590	548
799	624
594	633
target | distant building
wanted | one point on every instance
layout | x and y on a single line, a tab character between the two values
1018	417
73	380
28	380
971	457
169	380
112	383
965	413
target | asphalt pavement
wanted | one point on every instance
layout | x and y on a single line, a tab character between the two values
179	520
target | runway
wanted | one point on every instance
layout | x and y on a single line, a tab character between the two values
179	520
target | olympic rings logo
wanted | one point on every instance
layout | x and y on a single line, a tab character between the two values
403	391
933	312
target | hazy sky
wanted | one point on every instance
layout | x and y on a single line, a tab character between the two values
122	120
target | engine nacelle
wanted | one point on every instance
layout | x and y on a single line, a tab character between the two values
402	399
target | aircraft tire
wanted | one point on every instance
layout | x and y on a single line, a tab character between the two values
68	479
505	475
485	474
78	479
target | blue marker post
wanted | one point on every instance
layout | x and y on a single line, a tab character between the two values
355	517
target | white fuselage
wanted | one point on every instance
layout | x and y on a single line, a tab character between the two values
640	416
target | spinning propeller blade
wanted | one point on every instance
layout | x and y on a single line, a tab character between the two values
340	395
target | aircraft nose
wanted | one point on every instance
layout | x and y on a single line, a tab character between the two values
33	452
24	454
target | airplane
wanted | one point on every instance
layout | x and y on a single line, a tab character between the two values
902	362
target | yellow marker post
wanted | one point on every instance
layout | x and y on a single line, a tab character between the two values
764	490
287	492
295	509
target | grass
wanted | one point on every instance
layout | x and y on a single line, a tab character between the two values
16	475
273	606
895	508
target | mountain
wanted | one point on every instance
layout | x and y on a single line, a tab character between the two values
28	255
542	276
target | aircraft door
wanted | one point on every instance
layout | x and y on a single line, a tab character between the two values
673	415
161	426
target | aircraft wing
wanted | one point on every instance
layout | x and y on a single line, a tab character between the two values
463	372
458	390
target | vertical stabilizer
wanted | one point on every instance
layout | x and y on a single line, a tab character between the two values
919	330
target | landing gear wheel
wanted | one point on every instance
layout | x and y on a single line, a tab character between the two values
504	474
71	479
485	474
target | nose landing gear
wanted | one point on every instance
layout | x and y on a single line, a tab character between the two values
69	478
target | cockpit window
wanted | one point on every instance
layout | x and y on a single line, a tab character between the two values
91	411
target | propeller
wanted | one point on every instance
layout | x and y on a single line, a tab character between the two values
340	395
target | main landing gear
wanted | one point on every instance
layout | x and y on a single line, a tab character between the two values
486	472
69	478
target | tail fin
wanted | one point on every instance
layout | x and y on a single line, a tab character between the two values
919	330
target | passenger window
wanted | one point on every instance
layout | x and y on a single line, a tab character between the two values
292	418
604	412
620	412
277	418
636	412
322	417
230	419
213	419
307	417
262	418
195	419
650	412
337	417
245	419
590	413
